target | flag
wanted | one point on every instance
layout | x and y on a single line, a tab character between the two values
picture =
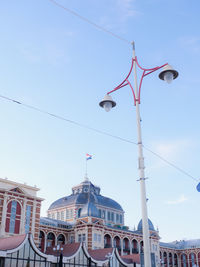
88	156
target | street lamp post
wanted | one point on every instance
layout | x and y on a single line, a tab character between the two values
59	250
167	74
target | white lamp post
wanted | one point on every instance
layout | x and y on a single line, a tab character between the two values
167	74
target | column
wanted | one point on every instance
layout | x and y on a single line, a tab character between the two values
23	218
111	240
162	260
172	259
33	218
131	247
45	242
188	259
122	251
179	260
197	259
3	220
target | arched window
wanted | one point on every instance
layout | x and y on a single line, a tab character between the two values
165	259
107	241
41	241
192	259
13	217
135	246
126	246
61	239
141	247
183	260
50	239
79	213
175	260
117	243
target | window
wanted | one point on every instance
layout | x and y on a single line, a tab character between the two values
71	213
99	238
193	259
108	215
83	237
67	214
112	216
99	213
13	216
103	214
53	215
117	218
28	217
95	237
184	260
71	239
79	213
62	215
79	238
120	218
58	215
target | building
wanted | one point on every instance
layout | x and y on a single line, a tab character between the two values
89	217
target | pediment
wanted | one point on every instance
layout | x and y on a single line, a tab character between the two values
17	190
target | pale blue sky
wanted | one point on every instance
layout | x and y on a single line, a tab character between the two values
53	60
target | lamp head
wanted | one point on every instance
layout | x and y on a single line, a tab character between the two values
107	103
168	74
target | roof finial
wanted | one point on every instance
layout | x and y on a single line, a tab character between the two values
86	178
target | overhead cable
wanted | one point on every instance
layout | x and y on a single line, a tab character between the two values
89	21
97	131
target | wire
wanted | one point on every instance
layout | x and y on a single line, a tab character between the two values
169	163
68	120
90	22
97	131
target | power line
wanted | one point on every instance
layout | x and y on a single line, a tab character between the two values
97	131
89	21
169	163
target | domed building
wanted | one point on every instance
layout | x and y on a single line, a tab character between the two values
151	227
85	201
96	220
89	217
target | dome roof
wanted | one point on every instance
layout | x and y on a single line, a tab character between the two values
89	210
151	227
84	192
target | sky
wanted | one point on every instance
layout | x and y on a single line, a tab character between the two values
53	60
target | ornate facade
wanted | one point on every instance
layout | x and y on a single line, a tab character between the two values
89	217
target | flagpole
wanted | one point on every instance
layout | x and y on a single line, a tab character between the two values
86	178
87	158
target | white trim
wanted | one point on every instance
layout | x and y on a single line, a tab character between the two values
89	256
120	259
35	248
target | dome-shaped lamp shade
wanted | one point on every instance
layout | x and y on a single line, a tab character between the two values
198	187
107	103
168	74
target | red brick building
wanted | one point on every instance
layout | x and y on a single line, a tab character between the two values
89	217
